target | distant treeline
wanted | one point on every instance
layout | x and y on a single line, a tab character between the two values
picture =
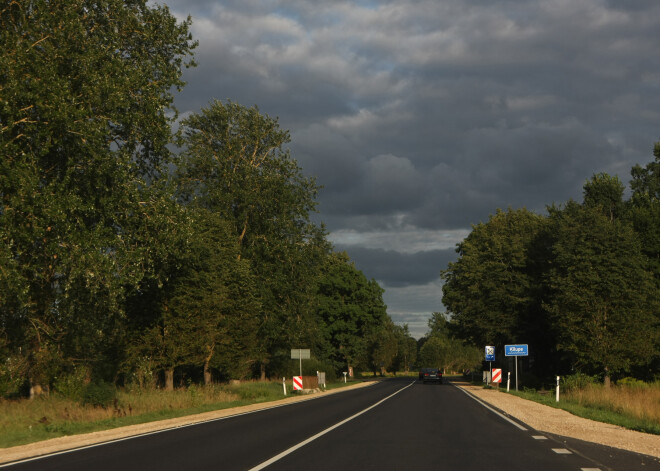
130	254
580	286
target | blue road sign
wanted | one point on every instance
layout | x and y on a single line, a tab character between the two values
490	353
515	350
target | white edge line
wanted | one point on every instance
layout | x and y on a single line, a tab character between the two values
320	434
146	434
472	396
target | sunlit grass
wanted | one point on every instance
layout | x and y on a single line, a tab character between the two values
639	401
636	407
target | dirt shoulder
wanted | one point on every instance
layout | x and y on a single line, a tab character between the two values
559	422
59	444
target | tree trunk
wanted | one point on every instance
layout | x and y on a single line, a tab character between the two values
606	379
263	371
169	379
208	377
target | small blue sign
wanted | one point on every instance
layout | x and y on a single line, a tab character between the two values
515	350
490	353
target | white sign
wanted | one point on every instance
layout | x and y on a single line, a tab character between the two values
300	354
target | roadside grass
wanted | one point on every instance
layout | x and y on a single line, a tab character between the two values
26	421
635	407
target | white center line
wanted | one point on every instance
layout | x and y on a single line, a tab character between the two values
320	434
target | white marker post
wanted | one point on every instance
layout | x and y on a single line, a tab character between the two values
557	388
284	384
508	381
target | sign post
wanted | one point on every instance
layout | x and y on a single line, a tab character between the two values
490	357
516	351
300	354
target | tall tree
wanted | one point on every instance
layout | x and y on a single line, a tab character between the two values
351	313
198	303
489	290
84	121
602	297
234	162
644	207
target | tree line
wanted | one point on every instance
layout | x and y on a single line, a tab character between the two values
580	285
132	253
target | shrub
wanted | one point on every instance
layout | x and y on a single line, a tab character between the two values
72	385
577	381
99	394
631	382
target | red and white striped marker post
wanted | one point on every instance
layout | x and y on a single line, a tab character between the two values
497	375
297	383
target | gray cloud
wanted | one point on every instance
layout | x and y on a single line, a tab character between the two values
396	269
426	115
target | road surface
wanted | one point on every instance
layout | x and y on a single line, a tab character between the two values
393	425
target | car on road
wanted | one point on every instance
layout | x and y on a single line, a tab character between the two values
431	375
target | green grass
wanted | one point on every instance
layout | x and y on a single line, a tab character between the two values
26	421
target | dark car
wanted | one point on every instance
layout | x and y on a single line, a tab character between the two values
431	375
421	373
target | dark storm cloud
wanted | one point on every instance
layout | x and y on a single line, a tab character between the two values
396	269
426	115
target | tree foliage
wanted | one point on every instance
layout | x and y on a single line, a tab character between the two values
489	289
352	316
580	285
86	88
235	164
601	293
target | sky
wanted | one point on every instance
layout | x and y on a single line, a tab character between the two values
420	118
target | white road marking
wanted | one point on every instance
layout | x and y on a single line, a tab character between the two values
320	434
491	409
562	451
539	437
590	469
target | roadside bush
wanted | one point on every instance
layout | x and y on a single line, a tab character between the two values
11	377
577	381
631	383
72	385
99	394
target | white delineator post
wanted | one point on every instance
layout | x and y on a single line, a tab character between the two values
508	381
284	385
557	388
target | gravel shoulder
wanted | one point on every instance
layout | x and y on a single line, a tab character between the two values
538	416
559	422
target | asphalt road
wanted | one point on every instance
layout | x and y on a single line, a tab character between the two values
393	425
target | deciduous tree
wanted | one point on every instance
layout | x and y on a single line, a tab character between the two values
86	94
